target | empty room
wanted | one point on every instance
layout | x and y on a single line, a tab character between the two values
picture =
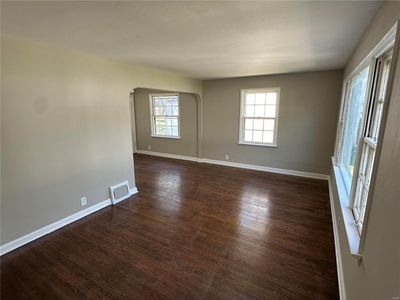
200	150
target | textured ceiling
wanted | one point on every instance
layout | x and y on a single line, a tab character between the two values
199	39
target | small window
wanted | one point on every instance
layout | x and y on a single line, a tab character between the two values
259	116
164	110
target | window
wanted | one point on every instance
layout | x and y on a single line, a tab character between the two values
164	110
369	140
352	124
259	116
359	128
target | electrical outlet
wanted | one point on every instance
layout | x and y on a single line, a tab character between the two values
83	201
226	156
149	147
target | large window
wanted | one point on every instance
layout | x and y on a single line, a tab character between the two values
370	140
359	129
164	110
259	116
352	124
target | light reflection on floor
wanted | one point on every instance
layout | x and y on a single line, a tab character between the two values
252	226
254	211
171	183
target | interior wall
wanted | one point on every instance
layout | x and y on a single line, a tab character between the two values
308	111
378	275
186	145
65	130
381	23
133	122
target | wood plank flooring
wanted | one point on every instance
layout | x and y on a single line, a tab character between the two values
194	231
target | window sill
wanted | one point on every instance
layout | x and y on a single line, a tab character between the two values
166	137
352	234
256	144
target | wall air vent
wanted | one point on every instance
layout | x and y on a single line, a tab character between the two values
120	192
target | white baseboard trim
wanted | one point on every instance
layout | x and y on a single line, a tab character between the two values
339	265
133	191
10	246
264	169
238	165
168	155
52	227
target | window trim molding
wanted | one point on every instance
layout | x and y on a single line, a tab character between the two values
371	77
396	36
365	140
355	238
241	140
352	233
152	130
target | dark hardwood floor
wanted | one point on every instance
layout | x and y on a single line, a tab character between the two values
193	231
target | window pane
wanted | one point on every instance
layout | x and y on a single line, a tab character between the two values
270	111
257	136
377	116
363	204
249	111
260	98
360	204
370	164
160	121
377	120
248	135
168	110
248	124
258	124
364	161
163	108
160	130
363	183
352	126
259	111
269	124
174	101
271	98
158	101
250	98
268	137
158	111
357	199
175	131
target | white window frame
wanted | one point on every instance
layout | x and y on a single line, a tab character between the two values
152	116
355	233
369	143
242	118
347	95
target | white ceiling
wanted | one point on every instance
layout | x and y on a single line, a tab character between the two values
200	39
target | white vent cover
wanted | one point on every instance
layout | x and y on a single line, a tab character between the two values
120	192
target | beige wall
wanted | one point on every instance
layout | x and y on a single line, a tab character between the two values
65	130
378	276
186	145
308	110
381	24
